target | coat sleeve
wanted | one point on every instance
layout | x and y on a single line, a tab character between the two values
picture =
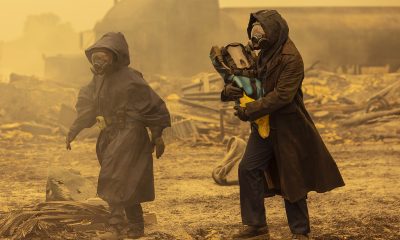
86	111
151	108
284	92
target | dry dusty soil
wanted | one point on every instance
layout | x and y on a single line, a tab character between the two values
189	205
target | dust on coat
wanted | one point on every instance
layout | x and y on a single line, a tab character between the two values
302	161
124	153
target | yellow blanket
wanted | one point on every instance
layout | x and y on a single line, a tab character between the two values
262	123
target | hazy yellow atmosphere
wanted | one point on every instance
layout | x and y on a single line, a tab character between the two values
83	82
83	14
308	3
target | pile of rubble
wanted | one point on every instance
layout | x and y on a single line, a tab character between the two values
354	108
30	107
71	211
199	115
35	108
67	219
341	105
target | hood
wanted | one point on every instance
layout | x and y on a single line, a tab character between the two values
274	25
116	43
276	31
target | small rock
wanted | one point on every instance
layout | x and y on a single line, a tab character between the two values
68	185
321	114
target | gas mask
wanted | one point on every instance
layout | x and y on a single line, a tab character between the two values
101	62
258	37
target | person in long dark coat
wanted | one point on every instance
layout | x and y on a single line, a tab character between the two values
120	101
292	160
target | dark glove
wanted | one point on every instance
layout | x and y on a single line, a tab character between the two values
158	146
231	93
241	113
157	141
69	138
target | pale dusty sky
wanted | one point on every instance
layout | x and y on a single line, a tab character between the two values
278	3
83	14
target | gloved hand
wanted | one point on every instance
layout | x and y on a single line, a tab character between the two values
232	93
68	139
241	113
158	146
157	141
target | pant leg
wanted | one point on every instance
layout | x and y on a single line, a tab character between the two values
117	215
297	215
134	213
258	154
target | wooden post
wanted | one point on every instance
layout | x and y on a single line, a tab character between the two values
221	123
206	85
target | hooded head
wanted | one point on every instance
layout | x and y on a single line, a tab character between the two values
273	25
112	44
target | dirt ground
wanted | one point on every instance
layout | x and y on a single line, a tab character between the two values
189	205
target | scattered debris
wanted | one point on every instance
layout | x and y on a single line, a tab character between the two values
338	104
68	185
385	99
364	118
31	127
45	220
28	99
59	220
182	130
333	100
33	107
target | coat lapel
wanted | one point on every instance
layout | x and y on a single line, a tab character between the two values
271	65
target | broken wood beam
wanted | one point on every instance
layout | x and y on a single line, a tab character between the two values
202	98
198	105
211	119
357	120
336	108
199	84
196	94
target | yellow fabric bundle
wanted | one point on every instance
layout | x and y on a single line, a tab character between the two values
262	123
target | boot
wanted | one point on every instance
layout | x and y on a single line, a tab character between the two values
112	233
300	237
135	230
253	233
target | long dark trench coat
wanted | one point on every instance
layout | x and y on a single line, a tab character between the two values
302	161
125	154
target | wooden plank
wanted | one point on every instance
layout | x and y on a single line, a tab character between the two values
202	98
210	119
199	84
206	85
357	120
196	94
198	105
